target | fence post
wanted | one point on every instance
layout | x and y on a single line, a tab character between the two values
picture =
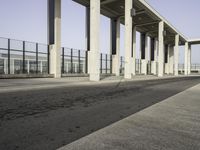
72	61
37	58
79	61
101	63
63	60
24	65
8	56
111	64
106	63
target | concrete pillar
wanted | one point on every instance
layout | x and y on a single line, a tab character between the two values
128	39
186	58
144	53
171	60
133	61
87	35
189	59
115	45
153	55
167	65
54	36
176	55
161	50
94	53
156	56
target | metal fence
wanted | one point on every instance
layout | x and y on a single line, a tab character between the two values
122	65
22	57
138	66
149	67
73	61
105	63
195	67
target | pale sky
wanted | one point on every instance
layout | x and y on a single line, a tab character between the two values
27	20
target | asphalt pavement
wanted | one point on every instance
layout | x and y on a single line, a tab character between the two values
49	118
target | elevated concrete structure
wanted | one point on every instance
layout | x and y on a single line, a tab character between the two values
136	15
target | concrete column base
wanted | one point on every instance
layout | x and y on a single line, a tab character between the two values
153	67
144	67
116	65
94	63
167	68
55	61
133	69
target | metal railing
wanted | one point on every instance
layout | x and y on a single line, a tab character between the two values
105	63
22	57
122	65
73	61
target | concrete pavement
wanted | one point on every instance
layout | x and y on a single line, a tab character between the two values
172	124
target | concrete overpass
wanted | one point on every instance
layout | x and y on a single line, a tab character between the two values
136	15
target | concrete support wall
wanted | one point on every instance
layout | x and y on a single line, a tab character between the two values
133	61
115	46
94	53
144	53
176	55
171	60
128	39
161	50
186	58
54	36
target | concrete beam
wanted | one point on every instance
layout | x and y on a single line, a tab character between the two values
145	24
107	2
